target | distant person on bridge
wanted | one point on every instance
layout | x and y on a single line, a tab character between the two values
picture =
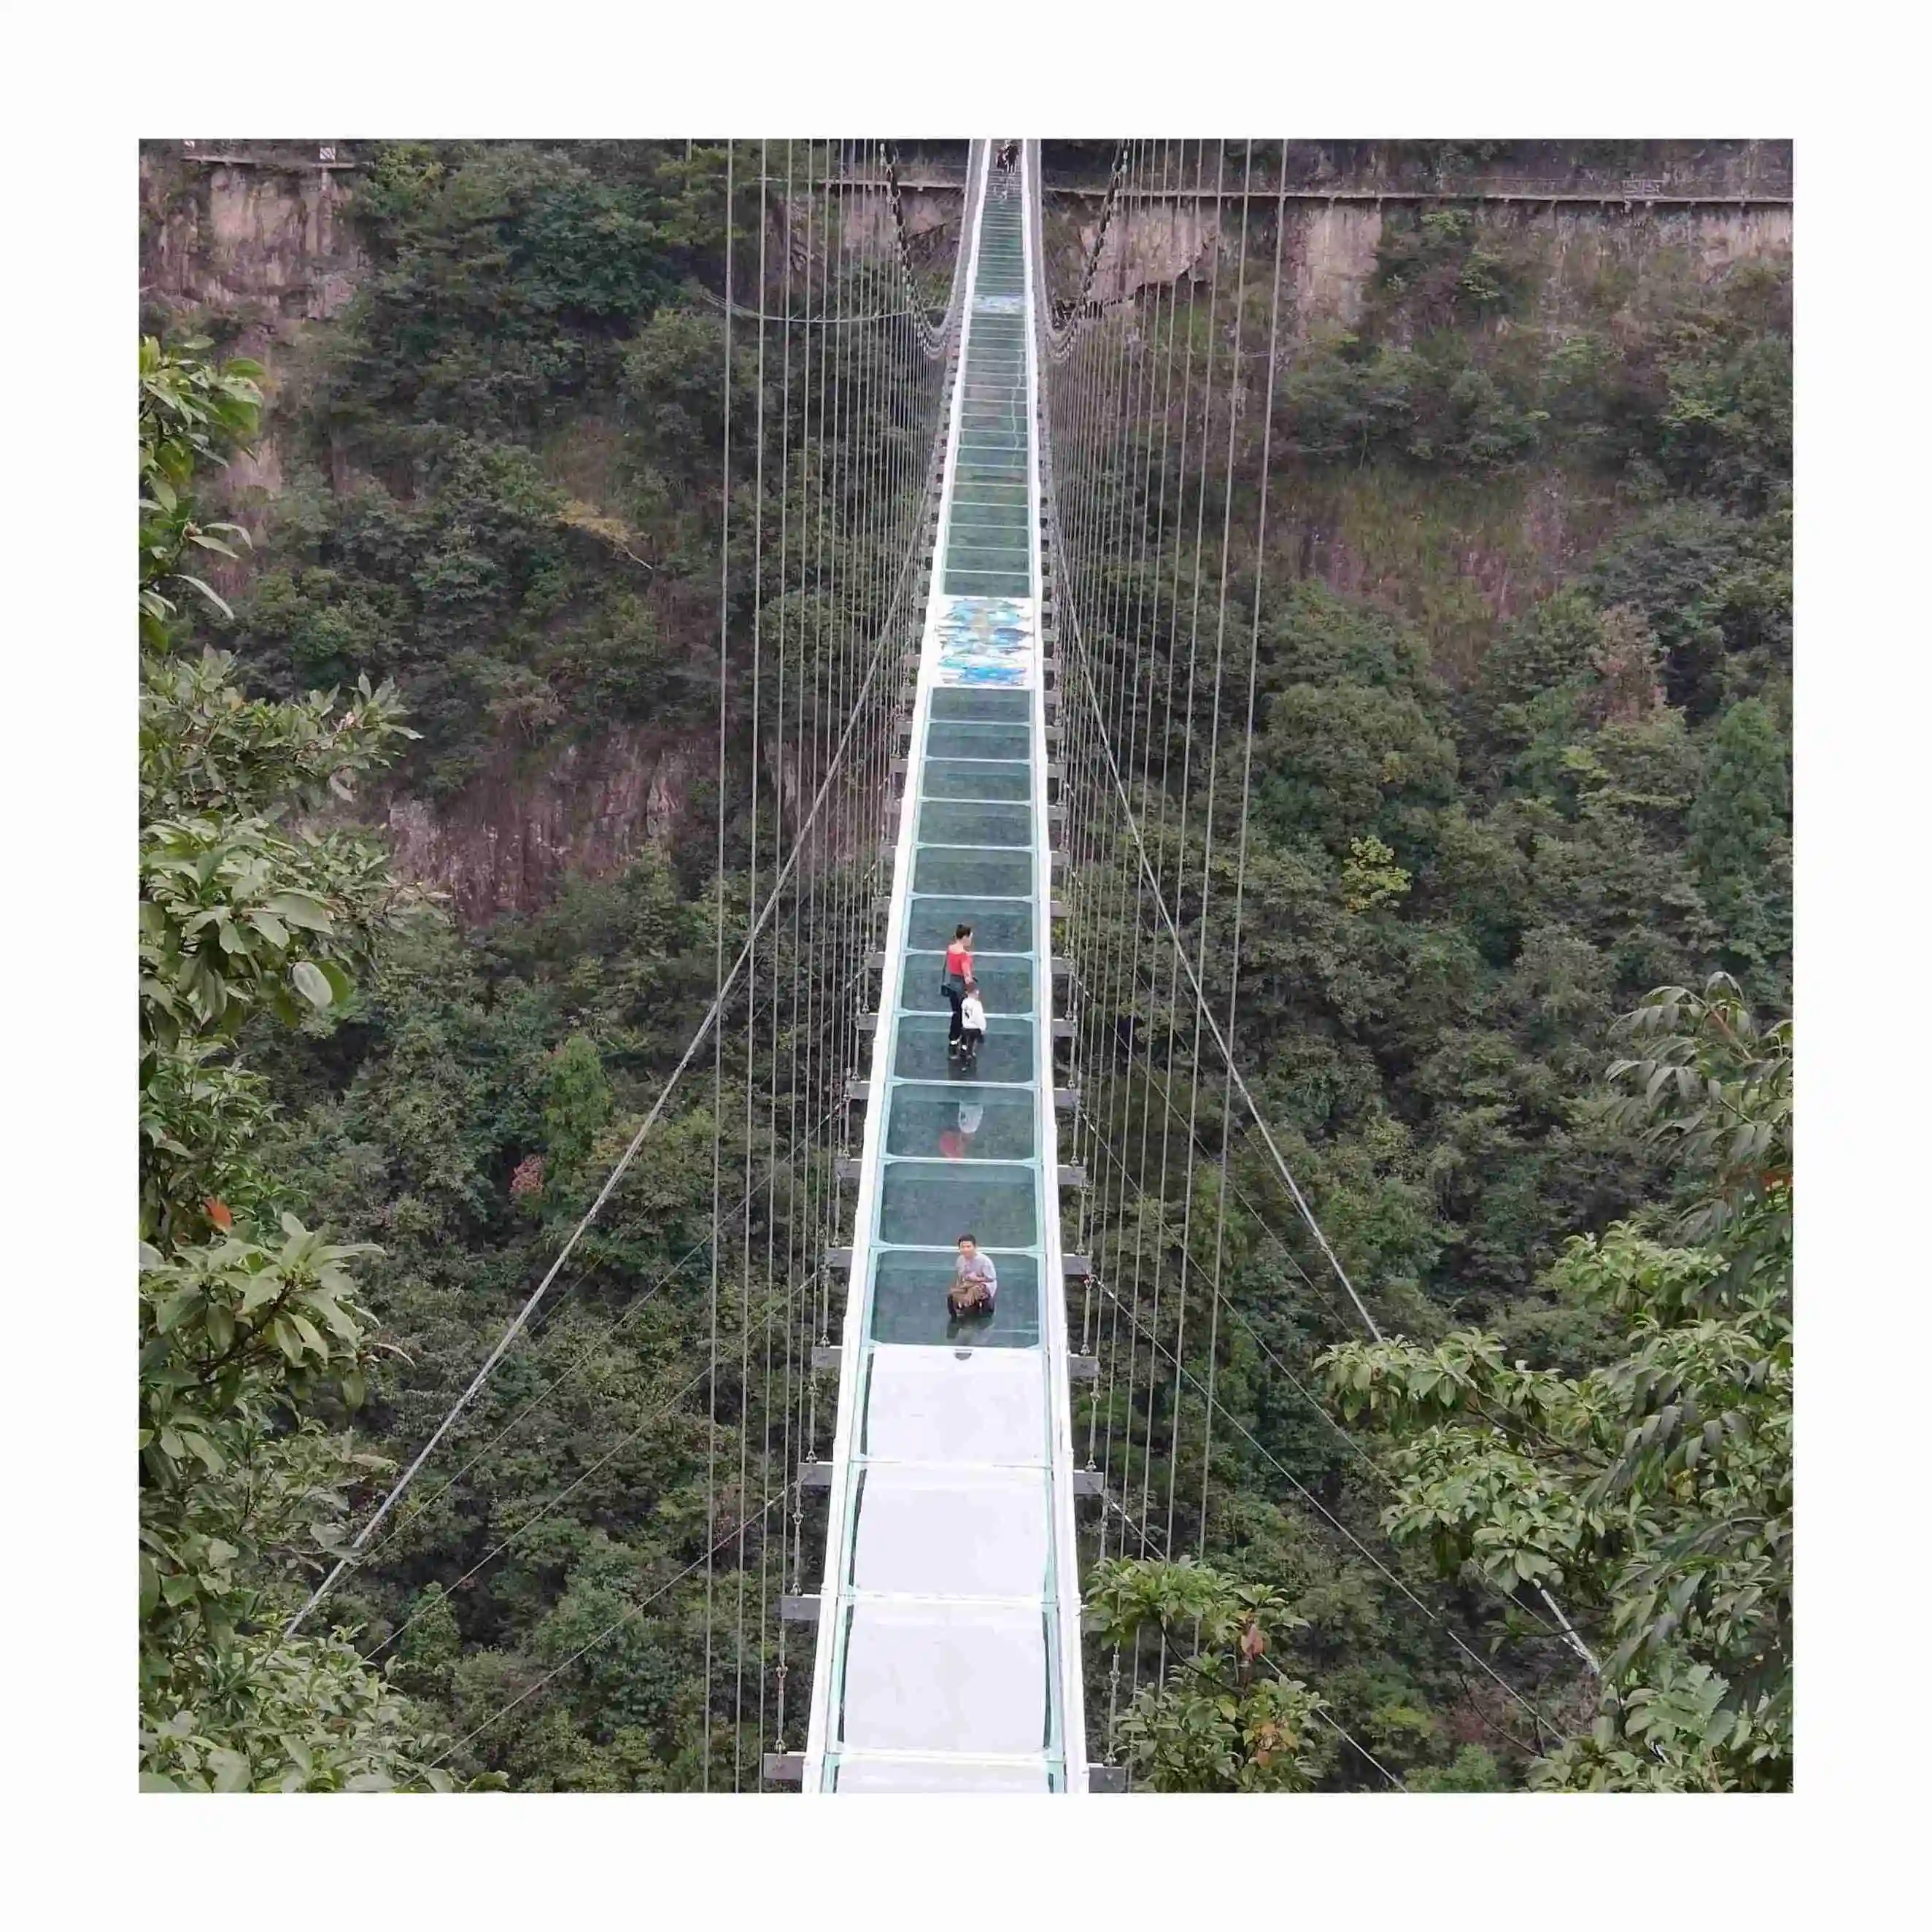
959	970
976	1282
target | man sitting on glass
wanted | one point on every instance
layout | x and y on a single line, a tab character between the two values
975	1281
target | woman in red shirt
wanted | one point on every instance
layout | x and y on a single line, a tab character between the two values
959	970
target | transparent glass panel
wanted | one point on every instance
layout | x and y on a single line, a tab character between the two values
1005	984
980	521
944	822
914	1774
990	525
955	1405
1013	558
972	496
999	874
927	1203
990	501
961	1122
909	1302
945	1677
922	1054
951	1533
982	707
978	741
964	582
932	922
942	778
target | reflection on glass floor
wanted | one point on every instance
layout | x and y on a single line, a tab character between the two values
959	1122
942	1613
959	778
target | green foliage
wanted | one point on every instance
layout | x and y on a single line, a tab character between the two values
578	1104
1474	1769
504	500
1739	827
191	413
273	1715
247	1341
1224	1719
239	915
1652	1495
1427	403
1452	371
1445	263
1716	590
1370	875
504	277
506	456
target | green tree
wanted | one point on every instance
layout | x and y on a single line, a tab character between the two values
577	1107
1221	1717
250	1330
189	412
1740	839
1652	1495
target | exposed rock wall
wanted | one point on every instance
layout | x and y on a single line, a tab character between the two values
264	251
252	252
1328	249
507	841
268	248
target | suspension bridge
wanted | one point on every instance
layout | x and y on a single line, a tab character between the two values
987	651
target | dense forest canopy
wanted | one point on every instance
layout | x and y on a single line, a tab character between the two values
1479	846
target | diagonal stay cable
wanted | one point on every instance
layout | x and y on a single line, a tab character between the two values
630	1154
1314	1503
1566	1630
1063	345
1146	1534
1213	1025
562	1495
854	716
631	1612
537	1397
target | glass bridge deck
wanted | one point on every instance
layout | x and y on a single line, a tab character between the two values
949	1612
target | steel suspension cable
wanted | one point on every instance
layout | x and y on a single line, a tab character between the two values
832	767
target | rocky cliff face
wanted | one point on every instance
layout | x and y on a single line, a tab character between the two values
249	249
1328	248
1457	561
508	840
254	243
256	249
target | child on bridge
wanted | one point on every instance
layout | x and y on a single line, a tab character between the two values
972	1027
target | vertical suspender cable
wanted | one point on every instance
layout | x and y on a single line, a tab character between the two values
718	1049
1241	858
